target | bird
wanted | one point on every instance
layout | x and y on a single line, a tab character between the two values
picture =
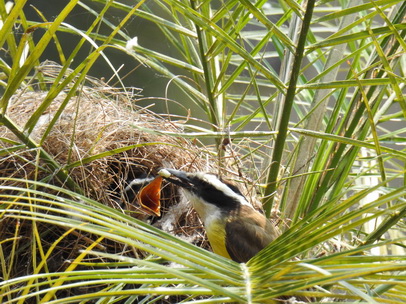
145	191
234	228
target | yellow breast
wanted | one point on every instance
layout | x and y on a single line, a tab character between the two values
214	224
217	235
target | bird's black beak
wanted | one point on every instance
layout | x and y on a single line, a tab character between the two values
182	178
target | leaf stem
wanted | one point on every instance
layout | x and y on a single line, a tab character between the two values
287	108
207	75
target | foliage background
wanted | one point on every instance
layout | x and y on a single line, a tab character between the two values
309	94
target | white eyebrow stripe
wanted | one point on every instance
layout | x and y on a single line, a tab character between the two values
218	184
138	182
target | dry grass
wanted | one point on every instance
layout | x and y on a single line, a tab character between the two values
97	121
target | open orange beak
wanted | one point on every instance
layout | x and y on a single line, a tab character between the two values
149	197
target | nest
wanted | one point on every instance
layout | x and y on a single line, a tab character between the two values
89	127
100	138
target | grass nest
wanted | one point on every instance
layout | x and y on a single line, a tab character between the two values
102	140
99	137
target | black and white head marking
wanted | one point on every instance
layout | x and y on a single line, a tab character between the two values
208	188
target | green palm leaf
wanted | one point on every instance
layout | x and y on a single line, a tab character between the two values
337	179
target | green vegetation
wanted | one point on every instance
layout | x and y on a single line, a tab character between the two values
310	95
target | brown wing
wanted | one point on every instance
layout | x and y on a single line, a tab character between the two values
248	232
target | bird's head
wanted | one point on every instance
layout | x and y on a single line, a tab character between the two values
234	228
206	191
